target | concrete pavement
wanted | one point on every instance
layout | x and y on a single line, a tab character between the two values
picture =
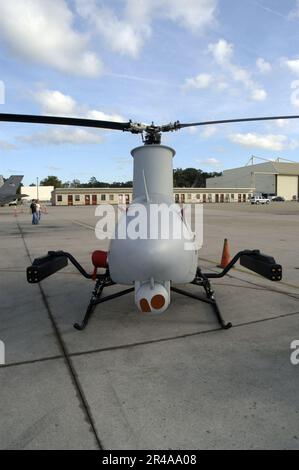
131	381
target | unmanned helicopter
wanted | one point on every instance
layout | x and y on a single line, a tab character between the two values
151	267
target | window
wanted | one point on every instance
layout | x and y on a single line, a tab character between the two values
227	198
59	198
77	197
232	196
103	197
197	196
188	196
111	197
210	197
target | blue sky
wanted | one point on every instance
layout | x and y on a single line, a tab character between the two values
147	60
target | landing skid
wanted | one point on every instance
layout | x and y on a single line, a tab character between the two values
56	260
200	280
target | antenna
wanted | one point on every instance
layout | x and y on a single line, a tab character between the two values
278	159
254	157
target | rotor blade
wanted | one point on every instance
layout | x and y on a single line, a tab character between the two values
65	121
225	121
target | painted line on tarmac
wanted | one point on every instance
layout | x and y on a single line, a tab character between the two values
149	342
83	224
65	354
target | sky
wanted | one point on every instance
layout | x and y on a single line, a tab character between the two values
146	60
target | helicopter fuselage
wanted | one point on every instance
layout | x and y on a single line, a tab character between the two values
157	257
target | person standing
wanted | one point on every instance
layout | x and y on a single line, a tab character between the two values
33	209
38	210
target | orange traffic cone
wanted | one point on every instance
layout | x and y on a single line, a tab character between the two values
226	258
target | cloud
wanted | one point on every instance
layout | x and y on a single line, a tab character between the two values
282	123
203	80
54	102
54	168
121	35
263	65
208	132
62	135
4	145
223	53
214	162
293	65
192	130
295	93
95	114
295	12
127	34
194	14
258	94
43	32
267	142
2	92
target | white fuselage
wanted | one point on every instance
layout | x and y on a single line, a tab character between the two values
158	256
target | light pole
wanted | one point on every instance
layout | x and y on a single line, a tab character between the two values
37	196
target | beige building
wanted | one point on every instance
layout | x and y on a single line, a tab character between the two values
95	196
43	193
271	178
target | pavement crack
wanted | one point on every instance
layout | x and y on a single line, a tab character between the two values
145	343
66	356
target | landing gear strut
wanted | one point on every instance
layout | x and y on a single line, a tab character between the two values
55	260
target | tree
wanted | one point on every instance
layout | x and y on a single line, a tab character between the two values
191	177
93	182
75	184
51	181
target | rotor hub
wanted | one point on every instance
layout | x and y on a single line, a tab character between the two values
151	134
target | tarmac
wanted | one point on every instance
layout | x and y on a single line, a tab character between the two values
132	381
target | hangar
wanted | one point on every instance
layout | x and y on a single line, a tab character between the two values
270	178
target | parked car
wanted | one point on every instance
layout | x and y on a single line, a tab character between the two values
259	200
278	199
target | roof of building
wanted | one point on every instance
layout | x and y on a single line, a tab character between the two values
272	167
130	190
284	168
